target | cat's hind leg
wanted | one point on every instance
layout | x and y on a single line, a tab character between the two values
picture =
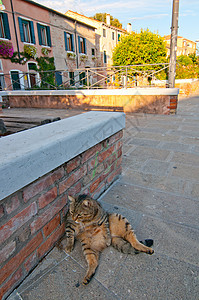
92	258
123	246
120	227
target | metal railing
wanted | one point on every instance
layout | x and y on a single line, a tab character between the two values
88	78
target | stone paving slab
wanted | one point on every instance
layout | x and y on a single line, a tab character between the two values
158	192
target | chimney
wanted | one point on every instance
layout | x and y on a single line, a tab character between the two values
129	28
108	19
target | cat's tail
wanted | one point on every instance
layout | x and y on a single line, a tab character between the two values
125	247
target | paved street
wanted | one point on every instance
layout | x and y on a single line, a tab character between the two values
159	193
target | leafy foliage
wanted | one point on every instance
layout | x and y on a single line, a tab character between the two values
187	66
46	64
102	17
140	48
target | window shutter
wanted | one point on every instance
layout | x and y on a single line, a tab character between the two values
39	33
72	41
58	77
85	50
6	26
48	35
21	29
65	40
79	44
32	32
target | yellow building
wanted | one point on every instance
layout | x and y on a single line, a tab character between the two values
184	46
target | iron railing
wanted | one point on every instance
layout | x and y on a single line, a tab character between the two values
88	78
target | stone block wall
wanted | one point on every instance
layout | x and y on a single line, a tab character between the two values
32	217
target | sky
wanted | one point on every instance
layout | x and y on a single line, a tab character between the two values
156	15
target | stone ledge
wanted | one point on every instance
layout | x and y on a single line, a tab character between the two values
115	92
28	155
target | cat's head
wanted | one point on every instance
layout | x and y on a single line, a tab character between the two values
83	208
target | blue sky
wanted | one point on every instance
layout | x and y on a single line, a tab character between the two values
152	14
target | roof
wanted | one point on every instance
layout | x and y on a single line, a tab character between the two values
57	12
93	20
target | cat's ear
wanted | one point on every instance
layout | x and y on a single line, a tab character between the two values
71	199
87	203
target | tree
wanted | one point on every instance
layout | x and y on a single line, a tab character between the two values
102	17
187	66
140	48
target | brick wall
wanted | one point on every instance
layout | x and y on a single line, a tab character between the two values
32	218
127	100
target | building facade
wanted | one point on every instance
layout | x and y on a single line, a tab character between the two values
184	46
33	31
107	37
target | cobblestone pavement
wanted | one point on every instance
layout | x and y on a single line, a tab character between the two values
159	193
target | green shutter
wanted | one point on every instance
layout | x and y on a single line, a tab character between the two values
85	50
65	40
72	40
79	44
32	32
39	33
21	29
6	26
48	35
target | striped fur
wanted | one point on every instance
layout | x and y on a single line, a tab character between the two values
96	230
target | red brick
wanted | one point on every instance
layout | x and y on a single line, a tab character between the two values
105	154
115	137
52	225
48	244
95	184
47	198
99	190
72	179
119	152
1	211
14	263
92	163
110	160
91	152
7	251
41	184
31	262
75	189
10	284
12	204
17	221
73	164
48	214
113	175
118	162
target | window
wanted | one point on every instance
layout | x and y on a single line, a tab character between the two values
72	78
15	80
119	35
105	57
104	32
44	35
4	26
2	82
33	75
69	42
26	31
93	51
82	78
82	45
113	36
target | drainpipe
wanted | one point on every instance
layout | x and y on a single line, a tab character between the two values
13	15
76	48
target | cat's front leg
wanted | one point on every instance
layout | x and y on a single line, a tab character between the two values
68	242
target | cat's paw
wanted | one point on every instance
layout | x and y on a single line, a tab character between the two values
150	251
67	246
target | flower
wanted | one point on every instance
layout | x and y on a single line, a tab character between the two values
6	49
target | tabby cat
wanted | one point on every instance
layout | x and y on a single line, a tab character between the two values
96	230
